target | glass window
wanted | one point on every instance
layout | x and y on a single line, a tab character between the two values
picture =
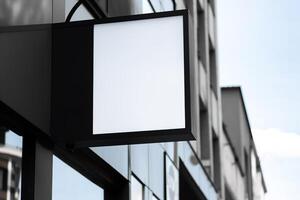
10	163
167	5
253	165
216	162
162	5
13	140
68	184
116	156
137	192
172	180
81	12
154	197
146	7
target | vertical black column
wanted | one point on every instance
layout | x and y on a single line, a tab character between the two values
36	171
28	168
3	131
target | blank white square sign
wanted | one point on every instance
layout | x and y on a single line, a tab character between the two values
139	76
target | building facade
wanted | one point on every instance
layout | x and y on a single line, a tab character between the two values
248	182
221	163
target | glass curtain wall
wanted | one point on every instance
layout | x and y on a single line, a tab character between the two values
67	183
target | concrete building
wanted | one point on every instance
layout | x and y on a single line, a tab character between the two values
221	163
248	182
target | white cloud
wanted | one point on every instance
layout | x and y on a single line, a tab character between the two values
274	142
280	158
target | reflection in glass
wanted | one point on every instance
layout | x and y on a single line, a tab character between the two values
146	7
80	14
162	5
172	179
10	165
12	139
136	189
167	5
185	152
68	184
154	197
116	156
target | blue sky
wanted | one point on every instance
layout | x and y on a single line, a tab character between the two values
259	50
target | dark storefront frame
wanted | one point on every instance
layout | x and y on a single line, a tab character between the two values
83	160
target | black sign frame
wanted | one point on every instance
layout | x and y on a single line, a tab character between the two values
72	100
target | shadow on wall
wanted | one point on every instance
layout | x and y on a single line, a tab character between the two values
22	12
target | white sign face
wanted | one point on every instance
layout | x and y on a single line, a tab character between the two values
138	82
